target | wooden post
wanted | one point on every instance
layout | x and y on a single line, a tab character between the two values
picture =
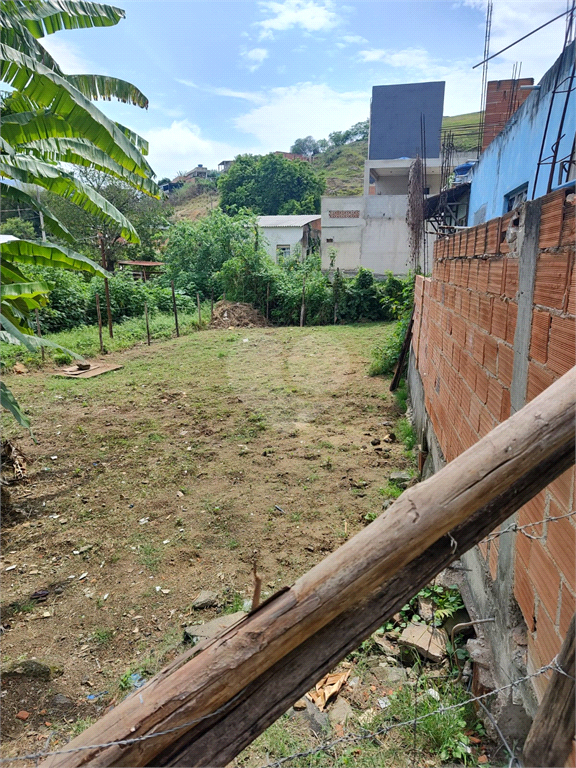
212	305
483	485
268	301
174	307
199	310
99	315
147	323
303	307
106	289
550	738
403	352
39	333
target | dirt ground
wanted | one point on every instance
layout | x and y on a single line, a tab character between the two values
171	476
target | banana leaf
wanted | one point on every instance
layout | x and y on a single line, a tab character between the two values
49	255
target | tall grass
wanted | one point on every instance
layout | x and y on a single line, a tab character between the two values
84	339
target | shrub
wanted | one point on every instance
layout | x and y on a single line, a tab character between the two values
66	307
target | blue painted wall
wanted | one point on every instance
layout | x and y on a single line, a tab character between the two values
511	159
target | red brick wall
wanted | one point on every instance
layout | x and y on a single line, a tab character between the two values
465	321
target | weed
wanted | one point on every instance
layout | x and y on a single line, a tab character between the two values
391	490
26	606
401	396
295	517
325	444
234	603
150	556
102	635
371	516
233	544
81	725
406	433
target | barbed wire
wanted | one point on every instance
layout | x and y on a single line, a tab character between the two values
384	730
552	666
515	528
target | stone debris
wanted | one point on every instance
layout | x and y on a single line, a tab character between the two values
205	599
196	633
340	712
428	641
425	609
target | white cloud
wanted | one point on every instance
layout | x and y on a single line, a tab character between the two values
68	56
254	57
187	83
181	147
302	110
255	97
350	39
309	15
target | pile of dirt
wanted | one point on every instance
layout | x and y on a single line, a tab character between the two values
230	314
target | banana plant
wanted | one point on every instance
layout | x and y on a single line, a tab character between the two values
50	126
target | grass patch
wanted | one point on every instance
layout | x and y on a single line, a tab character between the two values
150	556
406	433
102	635
391	490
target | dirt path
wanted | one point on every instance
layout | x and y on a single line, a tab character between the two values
171	476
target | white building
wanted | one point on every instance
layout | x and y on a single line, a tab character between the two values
283	233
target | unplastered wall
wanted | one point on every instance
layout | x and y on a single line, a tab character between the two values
494	326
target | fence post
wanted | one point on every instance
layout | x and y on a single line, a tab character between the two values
303	307
39	333
268	301
212	305
174	307
106	289
99	314
199	311
147	323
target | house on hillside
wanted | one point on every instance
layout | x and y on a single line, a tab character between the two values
224	166
292	156
283	233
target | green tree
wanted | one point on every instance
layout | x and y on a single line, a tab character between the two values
270	185
20	228
50	124
307	146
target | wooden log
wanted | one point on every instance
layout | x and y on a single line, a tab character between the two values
550	738
217	740
403	354
195	687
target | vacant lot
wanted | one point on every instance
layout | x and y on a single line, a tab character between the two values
173	475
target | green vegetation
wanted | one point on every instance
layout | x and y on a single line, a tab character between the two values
385	355
465	137
102	635
49	123
269	185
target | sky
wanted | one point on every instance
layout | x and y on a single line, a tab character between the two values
226	77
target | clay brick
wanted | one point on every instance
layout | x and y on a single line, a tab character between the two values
473	274
551	221
545	577
474	307
495	400
465	308
481	384
524	594
487	423
511	321
567	609
511	278
490	354
485	313
562	345
539	337
568	226
563	489
492	244
459	331
465	273
551	280
523	548
499	315
571	298
495	276
483	547
474	411
468	370
478	349
469	344
539	379
505	363
533	512
561	543
483	272
547	639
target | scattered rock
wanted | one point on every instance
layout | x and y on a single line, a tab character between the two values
205	599
375	441
391	438
340	712
300	704
367	716
33	669
425	609
59	700
388	647
400	477
387	503
23	715
198	632
392	677
428	641
318	721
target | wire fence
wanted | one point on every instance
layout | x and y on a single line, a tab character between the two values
326	747
514	528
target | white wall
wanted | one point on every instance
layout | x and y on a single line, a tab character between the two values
345	233
280	236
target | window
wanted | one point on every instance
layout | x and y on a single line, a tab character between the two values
515	198
283	251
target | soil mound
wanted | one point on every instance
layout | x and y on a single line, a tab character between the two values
230	314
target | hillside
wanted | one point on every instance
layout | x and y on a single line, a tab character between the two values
343	166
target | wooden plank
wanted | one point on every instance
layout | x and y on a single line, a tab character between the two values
403	354
215	679
550	738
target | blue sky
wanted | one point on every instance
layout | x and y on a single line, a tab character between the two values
225	77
